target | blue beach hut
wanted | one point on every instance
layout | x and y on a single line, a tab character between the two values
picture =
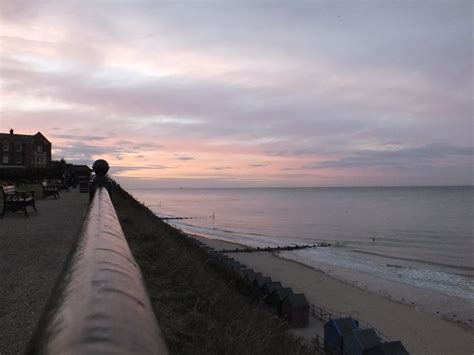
334	332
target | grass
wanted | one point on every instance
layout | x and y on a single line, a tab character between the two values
199	309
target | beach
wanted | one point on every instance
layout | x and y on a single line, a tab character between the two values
419	331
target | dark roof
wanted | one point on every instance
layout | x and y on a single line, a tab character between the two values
345	325
281	293
40	135
390	348
262	280
253	276
23	137
367	338
269	287
297	300
246	272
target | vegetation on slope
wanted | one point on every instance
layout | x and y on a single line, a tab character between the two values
199	309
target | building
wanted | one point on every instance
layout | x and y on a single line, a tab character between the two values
359	341
24	151
295	308
390	348
276	298
334	332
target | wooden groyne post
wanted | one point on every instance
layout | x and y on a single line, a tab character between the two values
100	305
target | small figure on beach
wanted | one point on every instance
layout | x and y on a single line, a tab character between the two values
373	239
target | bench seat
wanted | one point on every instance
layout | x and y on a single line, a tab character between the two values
14	200
50	190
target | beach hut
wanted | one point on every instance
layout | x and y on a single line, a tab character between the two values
218	255
360	340
389	348
252	276
236	266
269	287
295	308
222	257
213	254
334	332
275	299
261	281
227	261
243	272
257	284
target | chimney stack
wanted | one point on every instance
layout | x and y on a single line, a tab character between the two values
11	131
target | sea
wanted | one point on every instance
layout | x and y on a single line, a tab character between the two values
413	244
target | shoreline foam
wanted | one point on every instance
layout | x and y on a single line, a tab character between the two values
432	291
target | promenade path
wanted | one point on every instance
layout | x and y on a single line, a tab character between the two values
32	254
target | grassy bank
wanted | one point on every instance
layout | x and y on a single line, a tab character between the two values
198	308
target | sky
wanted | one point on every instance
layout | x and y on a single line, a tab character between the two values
245	93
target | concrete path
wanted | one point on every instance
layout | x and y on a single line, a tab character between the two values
32	253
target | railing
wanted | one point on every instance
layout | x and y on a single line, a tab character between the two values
101	306
325	315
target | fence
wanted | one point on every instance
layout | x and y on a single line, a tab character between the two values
100	305
326	315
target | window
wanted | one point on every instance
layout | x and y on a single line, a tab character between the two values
6	146
19	159
5	159
40	148
39	159
18	146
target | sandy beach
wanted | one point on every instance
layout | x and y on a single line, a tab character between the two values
420	332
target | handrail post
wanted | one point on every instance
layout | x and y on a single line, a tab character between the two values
100	167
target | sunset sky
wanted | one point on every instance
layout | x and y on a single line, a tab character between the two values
245	93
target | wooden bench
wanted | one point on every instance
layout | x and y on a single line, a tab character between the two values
50	190
14	200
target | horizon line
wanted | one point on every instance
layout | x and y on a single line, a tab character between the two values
298	187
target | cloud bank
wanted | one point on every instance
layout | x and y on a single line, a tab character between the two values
264	94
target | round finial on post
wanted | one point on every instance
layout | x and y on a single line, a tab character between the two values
100	167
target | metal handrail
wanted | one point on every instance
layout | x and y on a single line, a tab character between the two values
101	305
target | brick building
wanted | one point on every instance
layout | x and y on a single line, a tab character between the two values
24	151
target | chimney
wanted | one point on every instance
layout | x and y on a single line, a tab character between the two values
11	131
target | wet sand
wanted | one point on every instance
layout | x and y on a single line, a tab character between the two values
420	332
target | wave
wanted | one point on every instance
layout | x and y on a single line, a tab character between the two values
388	256
351	268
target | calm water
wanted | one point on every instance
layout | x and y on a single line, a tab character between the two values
427	232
